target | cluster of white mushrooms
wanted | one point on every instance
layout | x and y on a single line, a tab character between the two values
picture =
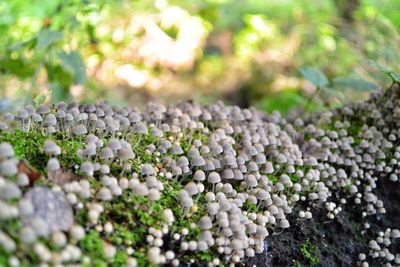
237	174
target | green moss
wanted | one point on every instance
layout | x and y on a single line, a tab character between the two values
4	255
29	146
120	258
250	207
273	178
131	215
205	256
309	251
92	246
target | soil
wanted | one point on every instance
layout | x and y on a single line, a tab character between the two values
334	242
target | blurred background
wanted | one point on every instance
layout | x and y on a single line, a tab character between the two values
275	55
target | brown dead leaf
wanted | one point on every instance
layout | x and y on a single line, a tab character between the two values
32	173
62	176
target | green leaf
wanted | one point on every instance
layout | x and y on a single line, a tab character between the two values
58	92
392	74
72	63
47	37
333	92
19	67
355	83
60	81
39	99
315	76
283	101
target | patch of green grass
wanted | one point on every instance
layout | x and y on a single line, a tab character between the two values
308	251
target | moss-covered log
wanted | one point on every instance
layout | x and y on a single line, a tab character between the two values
202	185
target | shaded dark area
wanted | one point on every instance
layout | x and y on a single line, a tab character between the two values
337	242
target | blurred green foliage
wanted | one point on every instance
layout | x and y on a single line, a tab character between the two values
249	52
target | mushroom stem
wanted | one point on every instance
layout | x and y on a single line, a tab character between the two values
260	204
138	141
29	124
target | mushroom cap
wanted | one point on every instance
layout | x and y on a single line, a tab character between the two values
60	114
214	178
198	161
147	169
43	109
284	223
227	174
8	116
154	194
9	190
261	231
53	165
191	188
193	152
141	189
90	150
209	166
285	179
268	167
90	108
50	120
87	168
151	181
176	149
238	174
205	223
395	233
155	132
183	161
260	158
114	144
140	128
6	150
187	202
106	153
251	180
166	143
104	194
54	217
134	117
252	166
199	175
126	153
91	138
9	167
227	188
79	129
262	194
229	160
3	125
36	117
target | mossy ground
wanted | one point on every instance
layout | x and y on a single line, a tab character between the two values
131	215
309	253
